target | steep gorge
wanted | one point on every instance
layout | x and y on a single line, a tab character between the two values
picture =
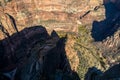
63	16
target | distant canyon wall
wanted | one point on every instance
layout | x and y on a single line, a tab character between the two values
60	15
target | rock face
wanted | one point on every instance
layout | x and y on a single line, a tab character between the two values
110	48
58	15
33	50
107	33
23	40
33	54
95	74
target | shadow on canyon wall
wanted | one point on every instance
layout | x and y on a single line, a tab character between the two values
112	73
33	54
13	22
107	27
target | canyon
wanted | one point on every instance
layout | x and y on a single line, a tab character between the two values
45	32
58	15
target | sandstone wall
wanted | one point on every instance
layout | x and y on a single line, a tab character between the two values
60	15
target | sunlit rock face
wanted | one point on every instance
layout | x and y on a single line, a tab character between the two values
61	15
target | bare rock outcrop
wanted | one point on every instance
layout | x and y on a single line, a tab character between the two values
34	54
59	15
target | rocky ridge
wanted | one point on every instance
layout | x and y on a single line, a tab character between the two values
82	51
30	53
